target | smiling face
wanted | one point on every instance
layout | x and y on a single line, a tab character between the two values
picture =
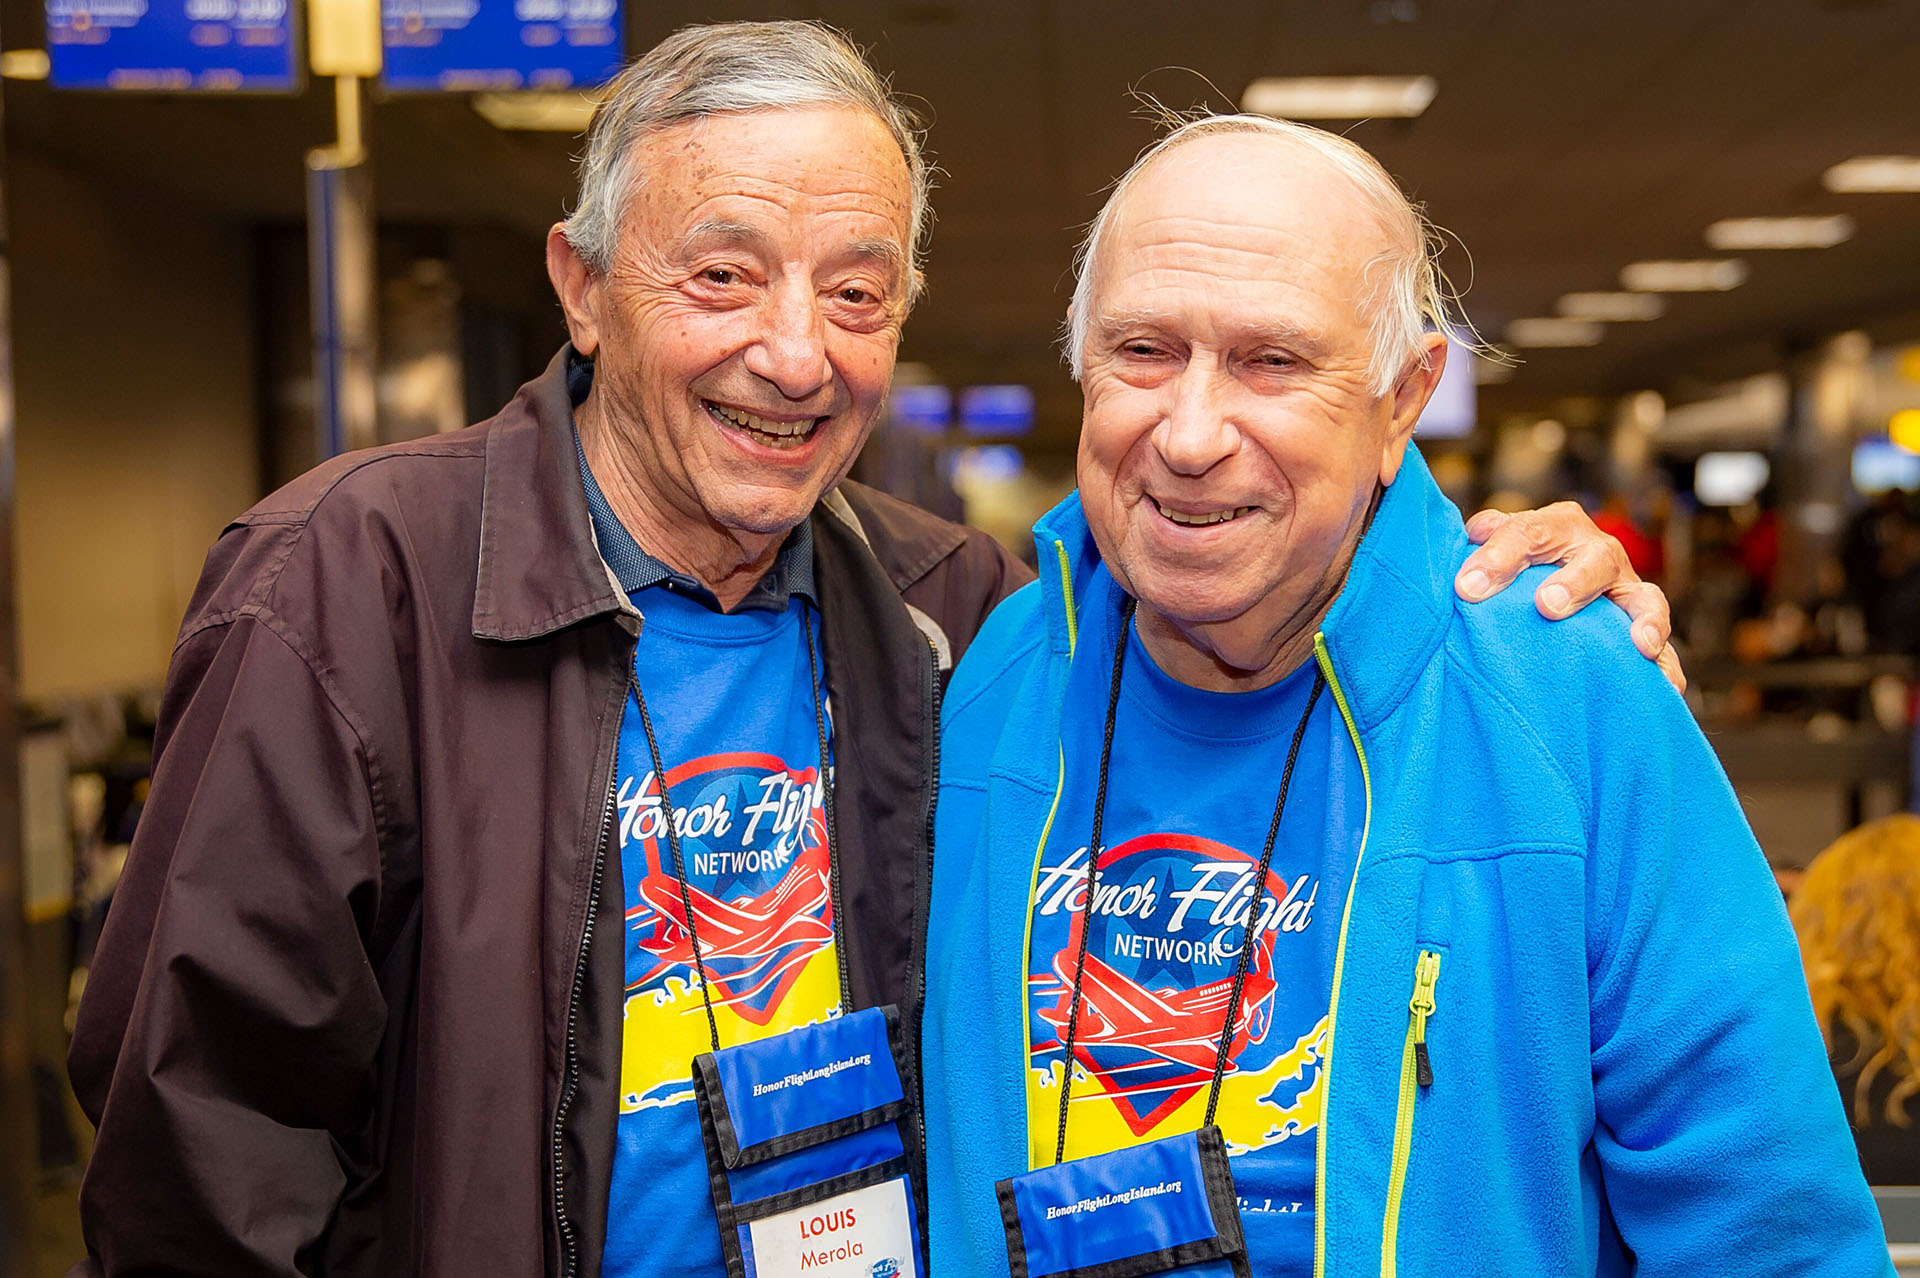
744	335
1232	442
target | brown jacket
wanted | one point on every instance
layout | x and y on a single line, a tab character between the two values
357	1006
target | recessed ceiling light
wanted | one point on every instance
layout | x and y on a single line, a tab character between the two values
1736	234
1711	275
25	64
1548	331
545	112
1874	173
1354	97
1612	308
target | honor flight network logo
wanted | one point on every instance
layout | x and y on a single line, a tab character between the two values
753	847
1166	934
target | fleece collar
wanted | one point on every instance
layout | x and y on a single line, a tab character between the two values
1384	628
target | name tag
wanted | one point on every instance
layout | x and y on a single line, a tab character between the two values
1165	1207
808	1152
865	1233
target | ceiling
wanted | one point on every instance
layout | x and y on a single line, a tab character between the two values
1567	139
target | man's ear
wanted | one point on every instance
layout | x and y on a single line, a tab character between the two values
1410	400
578	289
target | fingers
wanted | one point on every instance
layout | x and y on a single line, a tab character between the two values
1590	569
1518	541
1481	526
1648	613
1670	667
1592	564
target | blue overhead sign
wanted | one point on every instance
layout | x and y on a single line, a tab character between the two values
470	46
222	45
996	410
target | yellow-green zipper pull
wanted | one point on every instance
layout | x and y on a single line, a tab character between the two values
1425	974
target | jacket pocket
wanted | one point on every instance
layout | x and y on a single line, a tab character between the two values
1416	1075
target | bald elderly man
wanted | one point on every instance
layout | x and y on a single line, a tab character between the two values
1415	939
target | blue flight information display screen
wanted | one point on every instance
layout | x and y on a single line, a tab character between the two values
214	45
471	46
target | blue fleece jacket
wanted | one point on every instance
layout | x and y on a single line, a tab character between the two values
1625	1069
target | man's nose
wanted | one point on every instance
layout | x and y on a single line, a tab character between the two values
791	350
1194	434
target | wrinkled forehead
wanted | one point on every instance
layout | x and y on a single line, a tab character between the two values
1245	207
811	161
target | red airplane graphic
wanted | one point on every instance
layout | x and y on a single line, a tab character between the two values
768	934
1181	1027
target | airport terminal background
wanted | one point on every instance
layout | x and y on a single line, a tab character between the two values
1695	263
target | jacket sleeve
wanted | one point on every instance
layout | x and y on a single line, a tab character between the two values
1720	1135
225	1044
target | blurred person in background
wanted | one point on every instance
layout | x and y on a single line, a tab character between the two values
1856	910
1643	548
394	982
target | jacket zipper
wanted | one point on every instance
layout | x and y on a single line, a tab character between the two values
570	1074
1325	660
931	703
1039	851
1416	1071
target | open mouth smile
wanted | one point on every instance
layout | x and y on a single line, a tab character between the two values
1200	519
771	432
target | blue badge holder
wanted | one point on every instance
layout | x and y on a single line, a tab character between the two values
1163	1207
811	1160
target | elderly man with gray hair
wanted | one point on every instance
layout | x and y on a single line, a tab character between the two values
496	780
1292	915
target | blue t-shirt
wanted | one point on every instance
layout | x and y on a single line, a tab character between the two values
1191	790
730	702
731	697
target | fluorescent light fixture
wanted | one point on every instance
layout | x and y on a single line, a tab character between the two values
543	112
1712	275
1729	479
1611	308
25	64
1354	97
1874	173
1737	234
1548	331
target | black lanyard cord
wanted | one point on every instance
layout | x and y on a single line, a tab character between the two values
673	847
832	832
1259	898
1093	876
1254	904
673	837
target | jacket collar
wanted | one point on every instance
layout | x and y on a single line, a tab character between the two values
1388	621
539	568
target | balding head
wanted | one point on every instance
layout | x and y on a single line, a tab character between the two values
1400	287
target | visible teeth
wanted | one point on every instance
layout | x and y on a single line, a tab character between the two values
1201	521
763	425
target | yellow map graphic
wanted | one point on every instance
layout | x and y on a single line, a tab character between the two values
1251	1115
665	1029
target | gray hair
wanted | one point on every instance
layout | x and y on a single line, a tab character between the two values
1406	293
724	68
